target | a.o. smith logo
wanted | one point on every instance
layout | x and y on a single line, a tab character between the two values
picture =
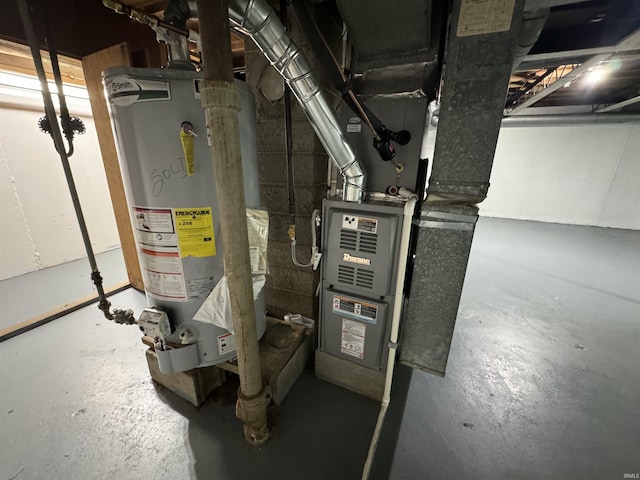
117	86
359	260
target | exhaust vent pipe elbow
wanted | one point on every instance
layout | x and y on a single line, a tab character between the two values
257	19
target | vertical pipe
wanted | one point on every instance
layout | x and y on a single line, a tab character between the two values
288	139
50	111
221	102
409	208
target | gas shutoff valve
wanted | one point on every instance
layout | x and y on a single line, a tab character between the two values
154	323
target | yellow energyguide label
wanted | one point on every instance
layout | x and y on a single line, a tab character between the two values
194	227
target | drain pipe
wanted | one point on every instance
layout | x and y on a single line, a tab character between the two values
409	207
221	102
257	19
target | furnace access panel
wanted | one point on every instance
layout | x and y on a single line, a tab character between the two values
360	264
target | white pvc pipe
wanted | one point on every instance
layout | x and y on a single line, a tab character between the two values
409	207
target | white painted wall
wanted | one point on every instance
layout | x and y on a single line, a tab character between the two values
577	174
38	225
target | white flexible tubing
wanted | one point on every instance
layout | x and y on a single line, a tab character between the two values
314	243
409	207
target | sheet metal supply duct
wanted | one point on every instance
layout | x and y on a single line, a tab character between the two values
532	24
472	102
257	19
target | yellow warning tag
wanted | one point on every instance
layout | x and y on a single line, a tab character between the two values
195	232
187	146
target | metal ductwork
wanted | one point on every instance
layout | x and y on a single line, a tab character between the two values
257	19
532	24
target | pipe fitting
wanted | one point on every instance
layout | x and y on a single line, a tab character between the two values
248	409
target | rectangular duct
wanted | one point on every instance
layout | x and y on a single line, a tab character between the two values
478	61
444	236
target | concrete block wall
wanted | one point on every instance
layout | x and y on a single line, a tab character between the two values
288	288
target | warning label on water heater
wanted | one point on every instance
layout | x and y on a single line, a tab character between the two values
226	343
158	252
195	232
167	235
352	340
163	275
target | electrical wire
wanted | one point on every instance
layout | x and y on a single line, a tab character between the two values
314	244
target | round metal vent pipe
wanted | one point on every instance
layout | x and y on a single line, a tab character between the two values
257	19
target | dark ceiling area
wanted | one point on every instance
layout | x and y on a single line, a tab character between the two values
80	27
590	31
605	33
595	23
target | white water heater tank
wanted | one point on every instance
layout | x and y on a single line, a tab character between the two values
171	193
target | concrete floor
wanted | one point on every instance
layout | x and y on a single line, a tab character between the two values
52	293
543	382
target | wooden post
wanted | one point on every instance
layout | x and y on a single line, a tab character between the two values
93	66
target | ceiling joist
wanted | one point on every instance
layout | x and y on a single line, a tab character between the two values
17	58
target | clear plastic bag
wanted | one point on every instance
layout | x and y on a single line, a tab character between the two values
258	229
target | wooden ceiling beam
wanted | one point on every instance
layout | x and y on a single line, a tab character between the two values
17	58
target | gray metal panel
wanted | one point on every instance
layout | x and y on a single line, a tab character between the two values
473	98
397	114
384	265
336	341
378	248
444	239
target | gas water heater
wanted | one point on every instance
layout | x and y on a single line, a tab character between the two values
170	187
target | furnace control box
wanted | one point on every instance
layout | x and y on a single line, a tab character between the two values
360	262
